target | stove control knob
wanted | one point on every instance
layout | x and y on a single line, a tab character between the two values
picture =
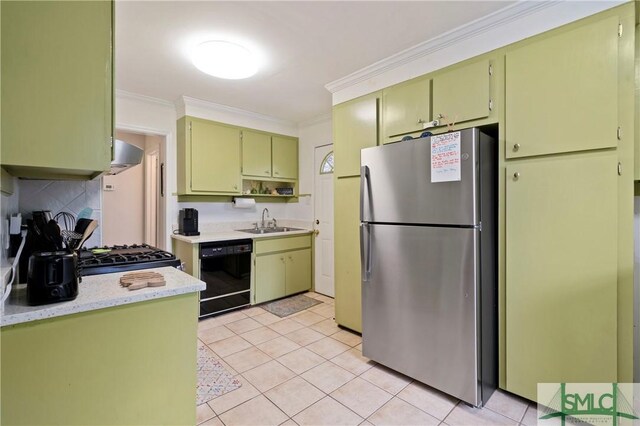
55	292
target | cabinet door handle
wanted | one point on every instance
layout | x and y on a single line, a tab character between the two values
266	171
282	259
516	176
276	173
291	258
235	186
516	147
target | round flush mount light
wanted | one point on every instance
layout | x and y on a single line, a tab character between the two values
224	59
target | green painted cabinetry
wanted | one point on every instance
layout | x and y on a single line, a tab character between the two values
208	157
282	266
405	108
561	91
57	88
256	154
561	271
462	93
355	126
284	151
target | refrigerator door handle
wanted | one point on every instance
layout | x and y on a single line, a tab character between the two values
364	185
365	251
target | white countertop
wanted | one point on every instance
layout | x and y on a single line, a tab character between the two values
228	231
97	292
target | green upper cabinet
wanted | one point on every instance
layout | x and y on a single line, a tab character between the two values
57	88
355	126
256	154
561	92
208	157
462	94
405	108
284	157
561	270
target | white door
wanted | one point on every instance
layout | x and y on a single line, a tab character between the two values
323	223
151	202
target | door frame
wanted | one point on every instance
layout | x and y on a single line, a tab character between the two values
316	267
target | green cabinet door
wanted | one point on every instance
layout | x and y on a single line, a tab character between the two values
215	157
298	273
256	154
561	271
57	92
355	126
405	107
561	92
284	157
348	297
462	94
269	277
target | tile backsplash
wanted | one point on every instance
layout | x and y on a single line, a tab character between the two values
68	196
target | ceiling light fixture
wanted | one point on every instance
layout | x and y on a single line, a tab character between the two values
224	59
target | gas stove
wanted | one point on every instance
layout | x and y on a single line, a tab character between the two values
105	260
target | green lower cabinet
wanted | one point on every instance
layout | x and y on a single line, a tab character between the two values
282	266
133	364
561	271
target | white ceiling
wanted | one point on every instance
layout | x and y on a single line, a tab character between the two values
305	44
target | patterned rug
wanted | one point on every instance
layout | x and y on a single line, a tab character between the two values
213	379
290	305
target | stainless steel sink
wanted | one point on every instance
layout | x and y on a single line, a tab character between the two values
269	230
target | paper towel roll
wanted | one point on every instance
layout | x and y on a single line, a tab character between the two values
244	203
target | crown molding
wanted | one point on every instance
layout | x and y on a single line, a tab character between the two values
123	94
185	101
316	120
449	39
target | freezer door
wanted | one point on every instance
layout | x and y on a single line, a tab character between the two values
396	184
419	305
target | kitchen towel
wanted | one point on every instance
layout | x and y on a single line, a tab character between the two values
244	203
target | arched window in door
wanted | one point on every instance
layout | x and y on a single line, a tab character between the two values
326	167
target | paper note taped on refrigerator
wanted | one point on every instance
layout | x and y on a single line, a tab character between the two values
445	157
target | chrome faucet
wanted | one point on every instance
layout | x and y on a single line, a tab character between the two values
266	210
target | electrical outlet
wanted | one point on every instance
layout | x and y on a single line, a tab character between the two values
109	187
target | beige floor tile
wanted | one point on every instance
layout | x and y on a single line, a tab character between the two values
229	346
301	360
208	323
366	423
243	325
278	346
215	334
359	347
400	413
311	294
259	335
230	317
531	415
294	395
212	422
257	411
253	311
361	397
289	423
234	398
328	347
229	368
308	318
353	361
465	415
267	318
387	379
325	310
286	326
268	375
507	404
247	359
326	327
325	299
347	337
204	413
429	400
304	336
328	412
327	377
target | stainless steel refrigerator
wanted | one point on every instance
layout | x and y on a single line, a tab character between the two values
428	214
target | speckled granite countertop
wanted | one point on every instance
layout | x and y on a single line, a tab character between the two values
97	292
227	231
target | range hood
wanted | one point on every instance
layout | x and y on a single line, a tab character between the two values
125	156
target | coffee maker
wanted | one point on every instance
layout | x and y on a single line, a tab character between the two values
188	222
52	277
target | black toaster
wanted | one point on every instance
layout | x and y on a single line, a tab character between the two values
52	277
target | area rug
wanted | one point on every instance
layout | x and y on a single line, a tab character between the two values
213	379
290	305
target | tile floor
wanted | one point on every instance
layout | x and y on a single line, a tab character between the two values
305	370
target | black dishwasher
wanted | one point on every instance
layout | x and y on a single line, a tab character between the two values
226	269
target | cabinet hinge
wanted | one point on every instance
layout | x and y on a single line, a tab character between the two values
490	104
490	69
619	133
619	30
